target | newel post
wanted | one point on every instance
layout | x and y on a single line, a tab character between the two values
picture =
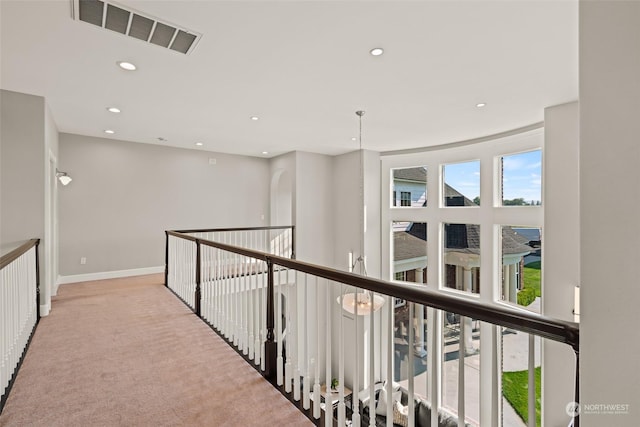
166	259
198	278
38	281
576	419
270	346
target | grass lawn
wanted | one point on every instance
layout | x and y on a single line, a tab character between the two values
515	390
532	276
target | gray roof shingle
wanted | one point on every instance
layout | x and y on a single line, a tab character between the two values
466	239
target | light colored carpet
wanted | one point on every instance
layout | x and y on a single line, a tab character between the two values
127	352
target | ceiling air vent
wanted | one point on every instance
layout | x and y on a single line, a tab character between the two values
123	20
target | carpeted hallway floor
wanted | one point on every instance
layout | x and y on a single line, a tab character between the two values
127	352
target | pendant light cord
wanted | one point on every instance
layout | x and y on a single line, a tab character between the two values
363	267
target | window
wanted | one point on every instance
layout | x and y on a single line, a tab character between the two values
461	184
411	183
522	266
405	198
410	265
502	172
460	356
522	179
461	257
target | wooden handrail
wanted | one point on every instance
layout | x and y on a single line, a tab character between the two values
16	253
497	313
214	230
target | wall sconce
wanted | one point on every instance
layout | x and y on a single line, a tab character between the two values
63	177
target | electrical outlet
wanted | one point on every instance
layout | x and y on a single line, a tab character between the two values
83	260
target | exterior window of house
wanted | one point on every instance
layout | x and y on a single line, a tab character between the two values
522	179
411	183
461	185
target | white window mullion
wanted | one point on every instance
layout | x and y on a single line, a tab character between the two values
490	216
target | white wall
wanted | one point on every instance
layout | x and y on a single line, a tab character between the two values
561	251
22	156
314	224
610	208
347	217
314	205
50	247
28	133
283	180
307	177
125	195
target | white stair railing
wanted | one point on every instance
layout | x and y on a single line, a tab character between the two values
19	310
293	322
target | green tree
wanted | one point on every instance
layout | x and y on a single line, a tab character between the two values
515	202
476	200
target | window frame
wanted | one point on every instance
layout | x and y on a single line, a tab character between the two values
490	216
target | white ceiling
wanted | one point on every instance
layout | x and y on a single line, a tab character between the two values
303	67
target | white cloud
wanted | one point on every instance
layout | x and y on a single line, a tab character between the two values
536	165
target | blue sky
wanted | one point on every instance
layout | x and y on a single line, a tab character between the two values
522	176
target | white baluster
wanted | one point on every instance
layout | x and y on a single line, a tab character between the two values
328	408
461	354
306	403
355	417
295	355
280	359
341	405
245	296
411	367
251	305
532	381
263	310
316	362
236	295
372	393
290	342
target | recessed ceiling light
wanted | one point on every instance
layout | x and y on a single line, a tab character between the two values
255	118
127	66
265	152
161	139
354	139
199	144
377	51
480	104
113	109
109	131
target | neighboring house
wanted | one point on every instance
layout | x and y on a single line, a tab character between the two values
409	187
462	242
410	190
461	262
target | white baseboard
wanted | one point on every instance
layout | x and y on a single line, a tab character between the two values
45	309
62	280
